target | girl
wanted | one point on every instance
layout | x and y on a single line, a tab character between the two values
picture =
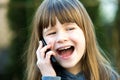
67	29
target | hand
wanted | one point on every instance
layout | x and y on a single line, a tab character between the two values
43	60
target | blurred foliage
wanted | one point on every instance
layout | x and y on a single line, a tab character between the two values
20	17
116	37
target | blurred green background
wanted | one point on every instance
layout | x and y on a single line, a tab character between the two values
15	21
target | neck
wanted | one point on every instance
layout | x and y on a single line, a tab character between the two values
74	70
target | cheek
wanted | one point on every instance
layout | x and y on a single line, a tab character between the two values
50	41
78	39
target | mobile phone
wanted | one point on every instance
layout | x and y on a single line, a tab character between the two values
52	57
44	44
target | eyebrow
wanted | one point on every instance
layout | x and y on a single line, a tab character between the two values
53	27
45	30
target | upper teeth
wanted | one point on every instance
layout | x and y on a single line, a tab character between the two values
64	48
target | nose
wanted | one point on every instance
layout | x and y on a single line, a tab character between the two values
62	37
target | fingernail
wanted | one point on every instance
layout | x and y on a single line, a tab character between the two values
40	42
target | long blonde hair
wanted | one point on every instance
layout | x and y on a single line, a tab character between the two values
95	66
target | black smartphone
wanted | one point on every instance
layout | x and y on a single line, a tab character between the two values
44	43
52	57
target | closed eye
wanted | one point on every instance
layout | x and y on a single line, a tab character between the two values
51	33
71	28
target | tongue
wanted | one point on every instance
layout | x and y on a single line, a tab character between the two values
66	53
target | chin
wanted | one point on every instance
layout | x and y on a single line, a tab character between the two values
68	64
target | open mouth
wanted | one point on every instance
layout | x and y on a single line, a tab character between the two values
65	51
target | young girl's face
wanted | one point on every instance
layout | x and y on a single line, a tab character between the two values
67	41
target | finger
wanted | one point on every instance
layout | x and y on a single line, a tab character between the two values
40	45
41	52
38	50
49	55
